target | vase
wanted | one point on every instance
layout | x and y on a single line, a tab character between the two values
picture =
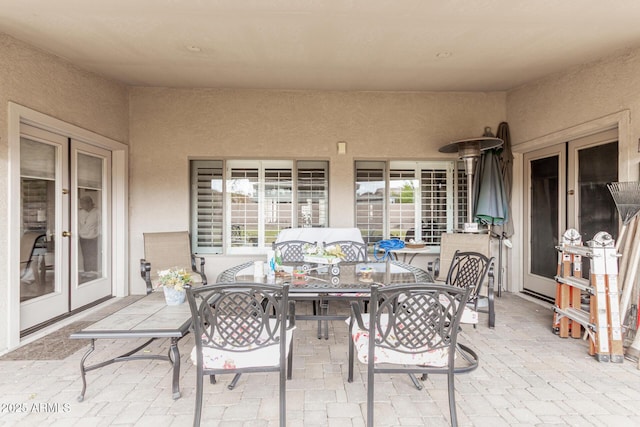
173	297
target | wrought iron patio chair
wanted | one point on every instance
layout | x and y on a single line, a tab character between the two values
166	250
353	252
415	329
291	250
28	244
241	328
229	275
470	270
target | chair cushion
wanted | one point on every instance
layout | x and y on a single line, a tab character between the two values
215	358
469	315
424	357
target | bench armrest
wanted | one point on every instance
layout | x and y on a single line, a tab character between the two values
200	270
145	273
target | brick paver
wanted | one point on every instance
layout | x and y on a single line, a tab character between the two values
527	377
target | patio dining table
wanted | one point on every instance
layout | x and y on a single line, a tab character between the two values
352	283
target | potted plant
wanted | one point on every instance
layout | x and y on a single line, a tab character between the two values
172	282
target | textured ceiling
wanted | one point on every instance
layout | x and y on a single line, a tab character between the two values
400	45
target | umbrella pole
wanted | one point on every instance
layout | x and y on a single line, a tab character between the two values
500	238
469	197
500	265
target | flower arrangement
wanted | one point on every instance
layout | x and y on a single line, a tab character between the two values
174	278
330	251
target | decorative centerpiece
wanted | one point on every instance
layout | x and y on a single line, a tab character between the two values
172	282
366	274
323	255
299	274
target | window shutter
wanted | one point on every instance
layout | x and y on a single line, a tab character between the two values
402	202
433	188
370	200
278	202
207	205
313	194
243	188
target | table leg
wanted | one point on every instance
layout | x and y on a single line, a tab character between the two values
324	311
174	357
83	371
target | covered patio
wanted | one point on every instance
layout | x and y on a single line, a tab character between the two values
527	376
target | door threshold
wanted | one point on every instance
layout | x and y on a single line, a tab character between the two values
62	320
538	296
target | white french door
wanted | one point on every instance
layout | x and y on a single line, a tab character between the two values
90	224
59	269
565	187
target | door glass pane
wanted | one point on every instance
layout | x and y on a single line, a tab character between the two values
38	208
597	167
90	241
544	216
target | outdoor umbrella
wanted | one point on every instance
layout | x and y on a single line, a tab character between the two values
491	207
506	165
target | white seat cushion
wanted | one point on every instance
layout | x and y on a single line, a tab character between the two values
436	357
469	315
214	358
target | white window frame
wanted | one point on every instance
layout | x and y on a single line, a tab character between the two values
285	217
261	166
417	167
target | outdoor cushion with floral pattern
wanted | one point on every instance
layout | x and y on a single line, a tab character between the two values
216	358
425	357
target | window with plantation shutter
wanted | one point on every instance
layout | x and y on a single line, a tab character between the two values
404	199
240	206
243	196
313	193
370	195
436	195
207	206
421	204
461	195
278	201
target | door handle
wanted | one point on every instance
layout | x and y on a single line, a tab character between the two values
66	234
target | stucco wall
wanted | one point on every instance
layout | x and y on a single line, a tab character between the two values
170	126
54	87
560	107
580	95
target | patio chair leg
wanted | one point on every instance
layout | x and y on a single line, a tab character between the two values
290	361
234	381
415	381
351	357
198	409
452	399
